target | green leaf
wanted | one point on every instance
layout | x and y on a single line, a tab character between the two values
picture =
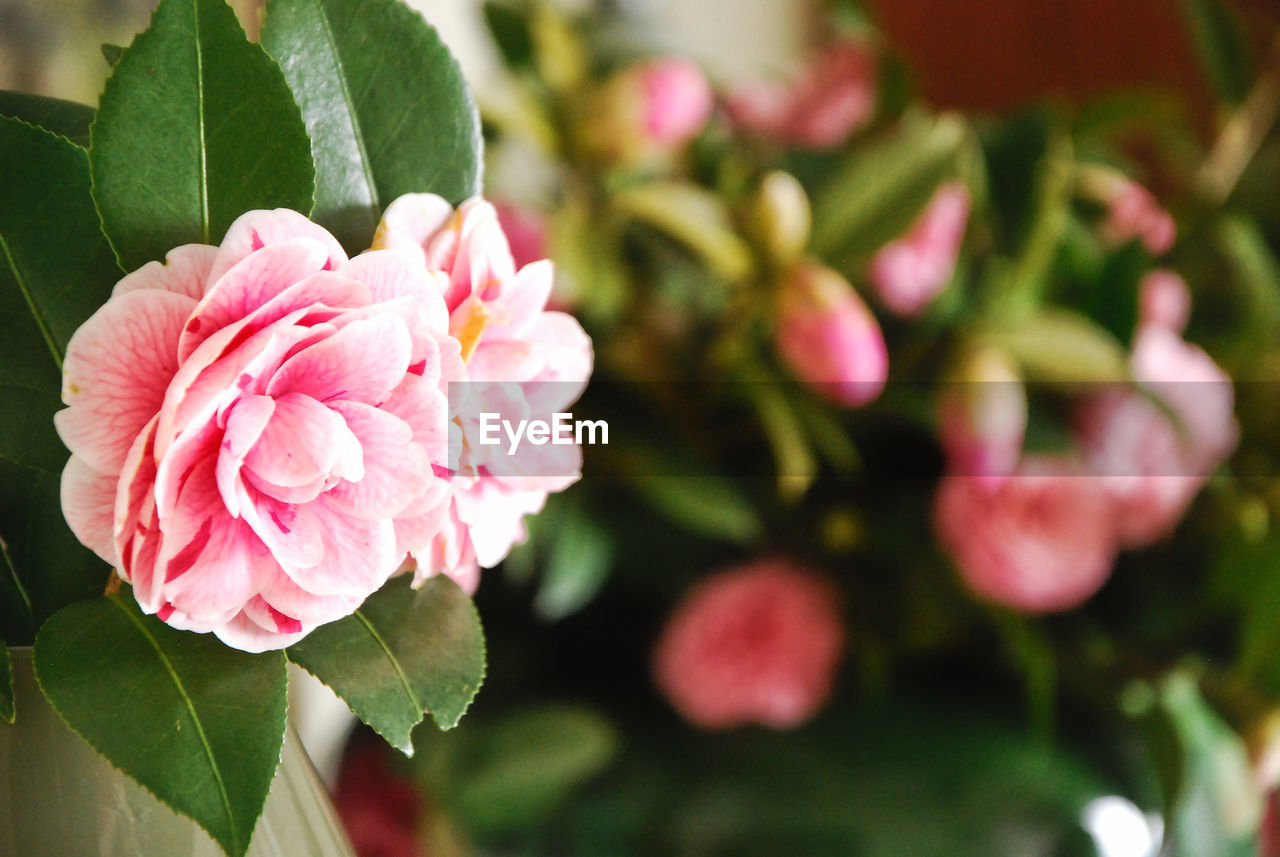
707	505
880	191
501	776
402	654
55	267
577	565
511	33
385	104
65	118
6	684
195	127
1223	46
197	723
693	216
1060	346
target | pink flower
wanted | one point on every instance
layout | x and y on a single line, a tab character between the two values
677	100
1164	301
1133	212
829	100
911	271
379	806
982	416
1153	466
520	360
255	429
1040	541
756	644
829	337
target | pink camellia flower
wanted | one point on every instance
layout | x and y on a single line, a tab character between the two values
520	360
755	644
1150	464
1040	541
911	271
1164	301
255	429
1133	212
829	337
982	415
820	108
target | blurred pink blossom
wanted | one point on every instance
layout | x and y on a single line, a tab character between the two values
677	100
1152	466
909	272
1041	541
829	337
526	232
1164	301
1134	212
982	415
379	807
517	355
755	644
820	108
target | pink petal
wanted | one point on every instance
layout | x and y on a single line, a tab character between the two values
523	298
291	531
88	503
117	367
363	362
283	595
245	425
359	555
396	470
249	286
421	405
304	442
391	274
134	522
248	636
410	220
257	229
185	271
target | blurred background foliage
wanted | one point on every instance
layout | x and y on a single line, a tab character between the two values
1142	721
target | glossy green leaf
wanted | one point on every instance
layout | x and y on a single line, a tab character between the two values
195	127
65	118
402	654
197	723
6	683
385	104
880	191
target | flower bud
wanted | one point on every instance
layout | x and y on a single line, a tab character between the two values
782	217
911	271
982	415
829	337
755	644
1134	212
1164	301
650	110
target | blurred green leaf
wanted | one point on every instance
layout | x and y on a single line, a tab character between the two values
1256	277
402	654
1223	46
509	774
576	567
1216	808
206	741
883	187
1060	346
385	104
64	118
589	268
793	454
695	217
510	30
707	505
195	127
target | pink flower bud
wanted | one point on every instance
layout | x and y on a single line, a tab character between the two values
677	100
982	415
911	271
1040	541
830	99
1133	212
1164	301
755	644
1150	465
829	337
